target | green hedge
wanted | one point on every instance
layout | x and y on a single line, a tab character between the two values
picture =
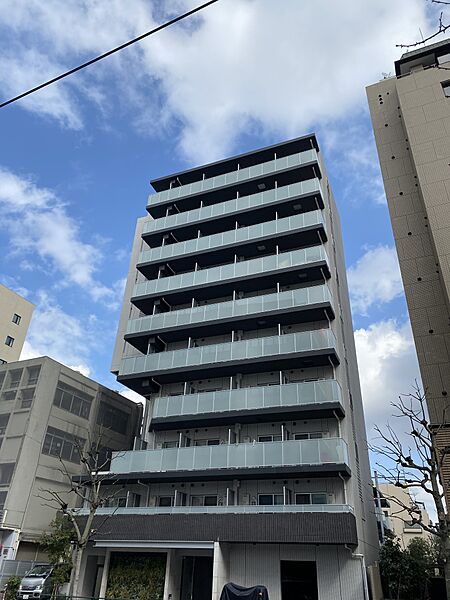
136	576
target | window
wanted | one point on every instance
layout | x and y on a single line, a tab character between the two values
112	418
315	435
446	88
165	501
33	375
8	396
315	498
104	458
2	378
206	442
170	444
6	472
270	438
70	399
9	341
203	500
16	318
27	396
270	499
3	423
62	444
14	378
3	495
116	502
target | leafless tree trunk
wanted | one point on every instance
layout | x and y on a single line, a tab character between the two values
416	465
87	488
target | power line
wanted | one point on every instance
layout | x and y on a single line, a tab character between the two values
106	54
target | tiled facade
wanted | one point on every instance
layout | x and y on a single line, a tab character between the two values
411	121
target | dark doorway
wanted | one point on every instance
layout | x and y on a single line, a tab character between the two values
196	578
298	580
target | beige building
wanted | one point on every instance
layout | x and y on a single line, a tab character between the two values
398	518
411	120
46	410
15	317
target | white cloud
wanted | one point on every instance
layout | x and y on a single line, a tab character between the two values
20	73
59	335
39	225
241	66
374	279
387	367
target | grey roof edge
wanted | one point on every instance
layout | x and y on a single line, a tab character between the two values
236	156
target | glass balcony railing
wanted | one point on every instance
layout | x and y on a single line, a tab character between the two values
228	272
224	510
271	346
229	310
233	237
234	206
325	451
212	183
325	391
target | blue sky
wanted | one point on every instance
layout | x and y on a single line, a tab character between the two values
76	159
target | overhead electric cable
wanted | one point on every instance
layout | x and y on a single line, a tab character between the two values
106	54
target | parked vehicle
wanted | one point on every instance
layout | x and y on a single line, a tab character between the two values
37	583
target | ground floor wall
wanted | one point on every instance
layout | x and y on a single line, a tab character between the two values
340	574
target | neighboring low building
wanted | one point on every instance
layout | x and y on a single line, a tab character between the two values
15	317
398	520
45	409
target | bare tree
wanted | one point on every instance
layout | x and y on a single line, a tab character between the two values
416	465
86	489
442	27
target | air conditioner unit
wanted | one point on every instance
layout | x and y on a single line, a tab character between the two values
246	499
159	446
246	439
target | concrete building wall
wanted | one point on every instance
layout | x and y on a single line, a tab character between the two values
24	436
15	317
400	518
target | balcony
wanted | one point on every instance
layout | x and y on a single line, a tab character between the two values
304	400
326	456
237	207
255	273
221	510
295	231
276	166
300	305
289	351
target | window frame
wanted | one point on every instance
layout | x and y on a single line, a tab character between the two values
16	319
9	341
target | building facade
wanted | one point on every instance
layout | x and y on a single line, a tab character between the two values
46	410
411	121
236	326
398	518
15	317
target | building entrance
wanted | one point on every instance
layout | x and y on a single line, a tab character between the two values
196	578
298	580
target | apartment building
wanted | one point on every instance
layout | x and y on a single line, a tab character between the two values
236	326
411	120
15	317
398	519
46	411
